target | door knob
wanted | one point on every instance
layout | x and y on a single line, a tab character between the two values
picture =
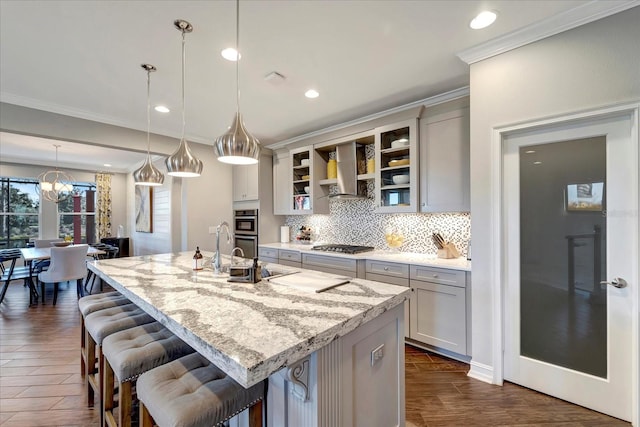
618	282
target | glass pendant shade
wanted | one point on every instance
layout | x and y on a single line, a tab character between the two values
237	146
182	163
56	185
148	174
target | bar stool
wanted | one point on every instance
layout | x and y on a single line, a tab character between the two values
128	354
98	326
90	304
193	392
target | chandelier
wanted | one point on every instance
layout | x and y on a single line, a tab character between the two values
56	185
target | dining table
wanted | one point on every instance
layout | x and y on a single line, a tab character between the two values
32	255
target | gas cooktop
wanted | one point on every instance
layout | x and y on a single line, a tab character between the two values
345	249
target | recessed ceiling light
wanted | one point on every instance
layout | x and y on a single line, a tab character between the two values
107	165
483	20
537	163
230	54
312	93
161	109
529	151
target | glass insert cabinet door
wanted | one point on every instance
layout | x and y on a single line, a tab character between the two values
571	239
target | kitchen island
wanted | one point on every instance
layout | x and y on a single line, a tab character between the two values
318	350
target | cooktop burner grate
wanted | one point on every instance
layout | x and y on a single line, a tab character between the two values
345	249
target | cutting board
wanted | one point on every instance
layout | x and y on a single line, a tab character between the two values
310	281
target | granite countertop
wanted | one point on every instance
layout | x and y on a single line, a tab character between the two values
380	255
248	330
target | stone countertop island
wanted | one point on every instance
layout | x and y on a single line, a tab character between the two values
297	338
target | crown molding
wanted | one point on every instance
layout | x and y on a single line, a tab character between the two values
426	102
567	20
36	104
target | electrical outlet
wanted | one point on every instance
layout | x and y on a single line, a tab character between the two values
377	354
212	229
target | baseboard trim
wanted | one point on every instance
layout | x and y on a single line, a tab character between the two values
481	372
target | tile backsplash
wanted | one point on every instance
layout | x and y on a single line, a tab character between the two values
355	222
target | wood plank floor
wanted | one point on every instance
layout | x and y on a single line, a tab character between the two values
40	383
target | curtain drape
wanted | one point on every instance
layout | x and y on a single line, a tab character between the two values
103	184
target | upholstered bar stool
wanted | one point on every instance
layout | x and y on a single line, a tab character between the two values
193	392
90	304
98	326
128	354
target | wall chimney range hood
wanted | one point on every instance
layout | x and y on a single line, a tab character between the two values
347	173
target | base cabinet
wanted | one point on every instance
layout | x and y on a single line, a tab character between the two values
438	311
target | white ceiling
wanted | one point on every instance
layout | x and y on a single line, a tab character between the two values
83	58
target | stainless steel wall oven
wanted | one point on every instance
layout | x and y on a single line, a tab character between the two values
245	231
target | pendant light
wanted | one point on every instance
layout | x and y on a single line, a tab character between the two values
56	186
182	163
237	145
148	174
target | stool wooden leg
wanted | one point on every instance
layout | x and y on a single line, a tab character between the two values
107	393
90	368
124	403
55	293
145	417
83	347
255	415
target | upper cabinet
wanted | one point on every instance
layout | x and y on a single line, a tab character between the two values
444	159
396	170
281	182
246	182
306	195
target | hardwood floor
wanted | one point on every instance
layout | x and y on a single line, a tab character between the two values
40	383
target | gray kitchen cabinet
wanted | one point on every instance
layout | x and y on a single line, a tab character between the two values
396	157
444	159
246	182
394	274
281	182
438	308
268	254
333	264
289	258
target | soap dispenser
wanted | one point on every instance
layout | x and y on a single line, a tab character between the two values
197	259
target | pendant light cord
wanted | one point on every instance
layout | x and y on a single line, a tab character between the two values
183	67
238	55
148	112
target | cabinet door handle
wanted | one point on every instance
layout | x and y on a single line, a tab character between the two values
386	269
435	276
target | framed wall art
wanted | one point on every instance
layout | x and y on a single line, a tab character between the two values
144	209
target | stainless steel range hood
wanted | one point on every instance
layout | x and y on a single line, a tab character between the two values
347	173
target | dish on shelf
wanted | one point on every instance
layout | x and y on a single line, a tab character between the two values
401	162
400	179
305	177
306	189
304	162
400	142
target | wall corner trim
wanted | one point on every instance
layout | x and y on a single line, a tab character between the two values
481	372
567	20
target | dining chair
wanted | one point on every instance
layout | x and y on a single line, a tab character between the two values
68	263
45	243
11	272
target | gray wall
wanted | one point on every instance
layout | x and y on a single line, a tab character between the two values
195	203
594	65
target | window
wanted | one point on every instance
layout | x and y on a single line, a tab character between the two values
20	212
77	217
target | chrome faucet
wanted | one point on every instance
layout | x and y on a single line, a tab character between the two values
233	251
216	262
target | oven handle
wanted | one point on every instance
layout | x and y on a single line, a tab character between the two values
246	236
253	217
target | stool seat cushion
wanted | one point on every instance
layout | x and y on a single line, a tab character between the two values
101	324
193	392
136	350
91	303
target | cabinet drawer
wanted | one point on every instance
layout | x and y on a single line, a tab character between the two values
289	255
267	252
288	263
392	280
438	275
388	268
334	263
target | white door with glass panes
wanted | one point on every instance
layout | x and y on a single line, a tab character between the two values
570	193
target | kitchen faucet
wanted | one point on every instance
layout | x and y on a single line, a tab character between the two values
216	261
233	251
